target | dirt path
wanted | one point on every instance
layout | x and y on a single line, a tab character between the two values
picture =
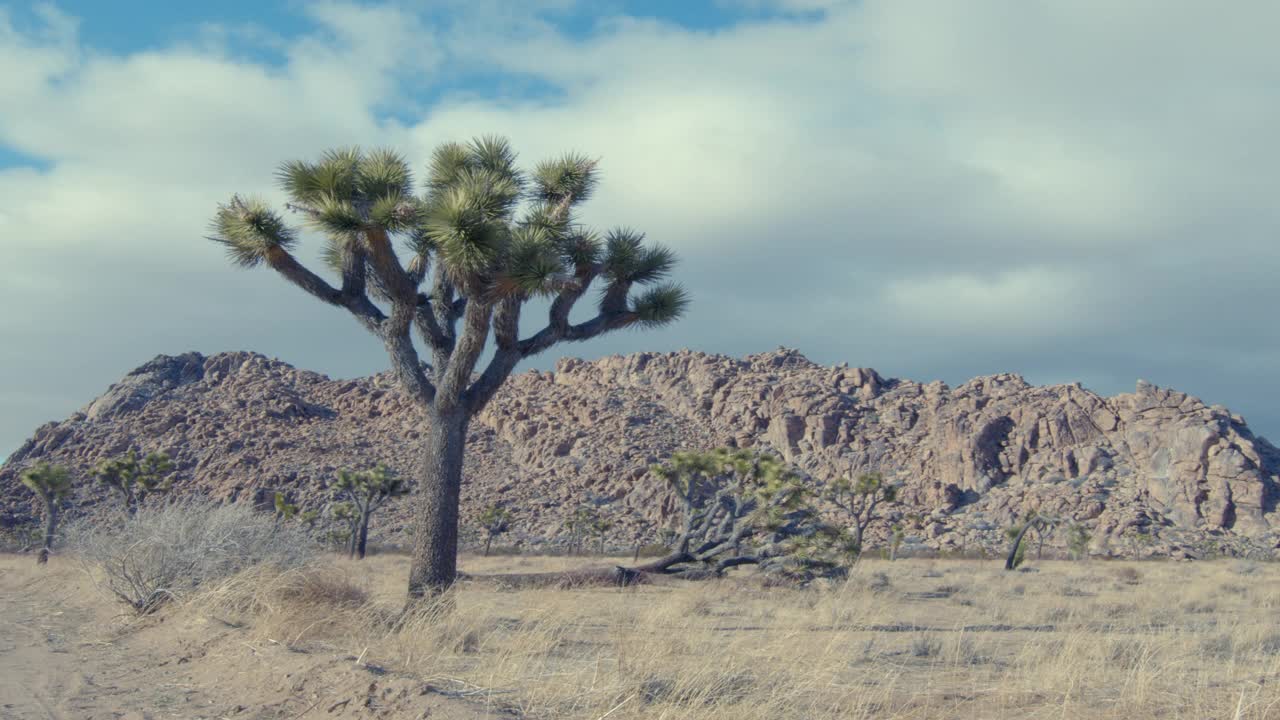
66	653
59	659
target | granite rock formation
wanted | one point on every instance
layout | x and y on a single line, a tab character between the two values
1153	472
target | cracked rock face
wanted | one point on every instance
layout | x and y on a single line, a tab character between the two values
1150	472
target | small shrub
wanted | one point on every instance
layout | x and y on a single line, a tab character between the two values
1200	607
1127	653
1128	575
164	551
1270	644
1221	647
925	646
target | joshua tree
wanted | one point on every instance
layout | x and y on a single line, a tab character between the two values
468	259
643	531
285	510
745	508
50	483
345	513
578	525
1078	541
1043	525
858	501
600	528
367	490
136	478
895	541
495	520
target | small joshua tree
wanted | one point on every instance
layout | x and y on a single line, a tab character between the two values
578	525
495	520
471	260
642	532
1078	541
600	528
367	490
285	510
136	478
858	501
745	508
895	541
51	484
344	513
1043	525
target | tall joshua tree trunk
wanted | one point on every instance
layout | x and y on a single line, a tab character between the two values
435	543
363	542
50	524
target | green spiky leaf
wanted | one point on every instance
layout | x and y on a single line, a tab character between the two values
250	230
494	154
447	163
48	481
582	248
549	217
337	172
337	216
534	263
383	172
395	212
624	254
492	193
571	176
653	264
660	305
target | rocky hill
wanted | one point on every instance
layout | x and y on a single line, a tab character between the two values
1153	472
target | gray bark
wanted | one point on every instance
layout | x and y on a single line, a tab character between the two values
364	535
435	545
50	524
1017	542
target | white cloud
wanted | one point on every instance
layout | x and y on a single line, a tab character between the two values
1032	179
1024	303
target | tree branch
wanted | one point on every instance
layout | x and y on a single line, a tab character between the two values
462	361
506	335
351	297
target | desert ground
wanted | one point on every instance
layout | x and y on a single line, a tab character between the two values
908	639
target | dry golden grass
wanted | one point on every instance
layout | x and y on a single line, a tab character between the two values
910	639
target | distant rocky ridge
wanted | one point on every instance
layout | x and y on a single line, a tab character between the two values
1153	472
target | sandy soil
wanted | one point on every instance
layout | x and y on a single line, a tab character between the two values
66	652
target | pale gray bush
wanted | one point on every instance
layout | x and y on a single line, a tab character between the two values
167	550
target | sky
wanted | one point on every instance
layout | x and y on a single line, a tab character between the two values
1073	190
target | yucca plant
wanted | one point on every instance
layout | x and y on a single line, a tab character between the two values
364	492
135	478
478	242
859	501
740	507
495	520
50	483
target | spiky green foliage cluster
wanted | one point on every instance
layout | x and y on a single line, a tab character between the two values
373	484
285	510
765	481
135	478
1078	538
858	501
465	220
495	519
364	492
50	483
746	507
